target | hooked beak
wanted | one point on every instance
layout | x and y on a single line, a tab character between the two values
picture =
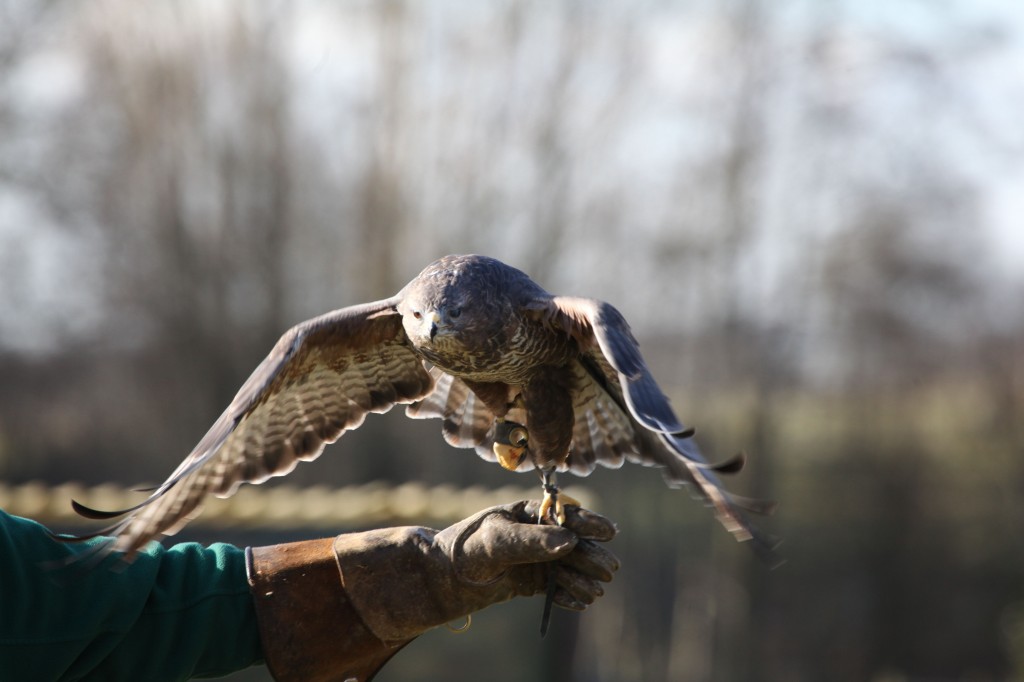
435	319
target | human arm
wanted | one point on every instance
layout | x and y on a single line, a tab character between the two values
173	613
322	608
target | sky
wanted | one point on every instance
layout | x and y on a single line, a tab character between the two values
971	114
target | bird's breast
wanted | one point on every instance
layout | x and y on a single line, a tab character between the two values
512	358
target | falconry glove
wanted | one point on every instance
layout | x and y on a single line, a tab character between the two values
338	609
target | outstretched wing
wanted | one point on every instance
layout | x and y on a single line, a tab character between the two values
613	381
320	380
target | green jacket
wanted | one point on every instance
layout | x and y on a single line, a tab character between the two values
174	613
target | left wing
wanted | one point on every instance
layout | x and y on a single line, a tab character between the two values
612	360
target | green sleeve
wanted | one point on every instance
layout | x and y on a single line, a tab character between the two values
173	613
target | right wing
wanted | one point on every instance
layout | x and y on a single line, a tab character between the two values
320	380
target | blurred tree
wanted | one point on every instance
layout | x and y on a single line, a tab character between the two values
786	202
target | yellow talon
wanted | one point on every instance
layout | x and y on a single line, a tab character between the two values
510	441
509	457
556	501
566	500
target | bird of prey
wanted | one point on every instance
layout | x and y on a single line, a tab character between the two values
529	379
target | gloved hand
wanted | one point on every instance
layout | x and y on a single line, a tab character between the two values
405	581
339	608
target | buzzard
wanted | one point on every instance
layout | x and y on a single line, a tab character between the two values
529	379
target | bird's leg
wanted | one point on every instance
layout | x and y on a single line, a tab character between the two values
552	507
552	510
548	402
547	505
510	447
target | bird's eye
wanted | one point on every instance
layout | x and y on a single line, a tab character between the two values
454	313
417	314
518	437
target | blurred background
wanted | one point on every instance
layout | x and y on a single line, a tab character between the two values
810	212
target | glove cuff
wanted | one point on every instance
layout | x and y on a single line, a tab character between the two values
398	581
309	628
403	581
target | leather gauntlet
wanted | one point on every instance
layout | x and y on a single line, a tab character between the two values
338	609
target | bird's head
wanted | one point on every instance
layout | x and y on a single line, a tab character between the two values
449	303
431	320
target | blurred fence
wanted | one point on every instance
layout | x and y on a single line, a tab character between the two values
283	507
